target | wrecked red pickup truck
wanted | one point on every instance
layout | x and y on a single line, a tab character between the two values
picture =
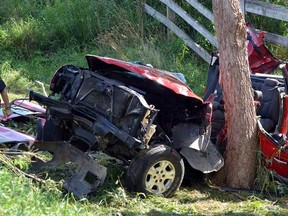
152	121
147	118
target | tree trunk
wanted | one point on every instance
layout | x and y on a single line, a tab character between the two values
240	155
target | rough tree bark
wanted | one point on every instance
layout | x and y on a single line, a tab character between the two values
240	155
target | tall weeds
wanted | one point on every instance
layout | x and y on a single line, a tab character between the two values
30	26
37	36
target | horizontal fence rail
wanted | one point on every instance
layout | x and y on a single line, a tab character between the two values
181	34
192	22
251	6
266	9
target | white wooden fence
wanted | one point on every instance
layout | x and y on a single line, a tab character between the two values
249	6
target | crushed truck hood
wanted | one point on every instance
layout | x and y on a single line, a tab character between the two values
161	77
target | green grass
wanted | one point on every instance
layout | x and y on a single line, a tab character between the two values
23	196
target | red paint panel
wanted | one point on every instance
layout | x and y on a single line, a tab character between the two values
275	158
162	77
260	58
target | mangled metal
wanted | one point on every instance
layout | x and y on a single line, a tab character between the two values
197	149
145	117
124	109
8	135
86	178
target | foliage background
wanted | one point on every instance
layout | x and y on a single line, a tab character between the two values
37	36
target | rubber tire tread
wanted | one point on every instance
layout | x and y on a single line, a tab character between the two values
140	164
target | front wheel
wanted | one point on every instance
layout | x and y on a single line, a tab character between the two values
159	170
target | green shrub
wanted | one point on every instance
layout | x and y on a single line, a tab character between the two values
60	23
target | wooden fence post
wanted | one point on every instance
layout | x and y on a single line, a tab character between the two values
171	15
242	6
142	3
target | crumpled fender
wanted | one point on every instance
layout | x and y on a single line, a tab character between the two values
197	149
206	161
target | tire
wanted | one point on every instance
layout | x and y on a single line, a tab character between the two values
159	171
192	176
